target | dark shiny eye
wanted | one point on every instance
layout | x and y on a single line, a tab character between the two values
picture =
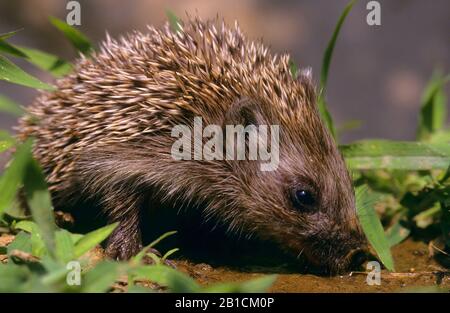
303	200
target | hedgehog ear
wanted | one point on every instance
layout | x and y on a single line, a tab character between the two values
244	111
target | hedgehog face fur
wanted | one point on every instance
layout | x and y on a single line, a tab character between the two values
105	135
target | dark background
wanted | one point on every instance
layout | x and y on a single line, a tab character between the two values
377	73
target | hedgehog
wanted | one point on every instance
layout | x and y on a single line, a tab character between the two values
104	134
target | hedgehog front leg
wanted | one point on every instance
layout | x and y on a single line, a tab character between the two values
125	241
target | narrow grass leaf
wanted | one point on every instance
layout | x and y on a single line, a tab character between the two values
166	276
90	240
13	74
168	253
64	246
396	234
9	34
21	242
38	246
39	201
433	112
46	61
326	61
6	141
174	21
76	38
293	68
13	176
13	277
372	226
9	106
25	226
8	48
101	277
396	155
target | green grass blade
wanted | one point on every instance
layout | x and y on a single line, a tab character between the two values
43	60
101	277
76	38
165	276
396	155
168	253
6	141
293	68
372	226
174	21
8	48
433	112
9	106
64	246
21	242
326	116
46	61
92	239
13	176
13	74
7	35
396	234
39	201
326	61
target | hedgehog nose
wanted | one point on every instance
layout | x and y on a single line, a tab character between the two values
357	258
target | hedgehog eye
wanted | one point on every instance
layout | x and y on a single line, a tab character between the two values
303	200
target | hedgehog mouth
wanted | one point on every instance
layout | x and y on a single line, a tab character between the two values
335	265
334	261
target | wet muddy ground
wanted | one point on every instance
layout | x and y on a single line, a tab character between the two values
415	272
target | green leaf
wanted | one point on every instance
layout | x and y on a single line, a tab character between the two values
46	61
13	176
293	68
13	74
6	47
101	277
439	136
76	38
169	253
64	246
21	242
401	155
326	116
174	21
433	112
143	252
90	240
13	277
9	106
38	247
6	141
39	201
25	226
260	284
166	276
396	234
372	226
326	61
9	34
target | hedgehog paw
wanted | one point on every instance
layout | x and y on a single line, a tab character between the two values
122	246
